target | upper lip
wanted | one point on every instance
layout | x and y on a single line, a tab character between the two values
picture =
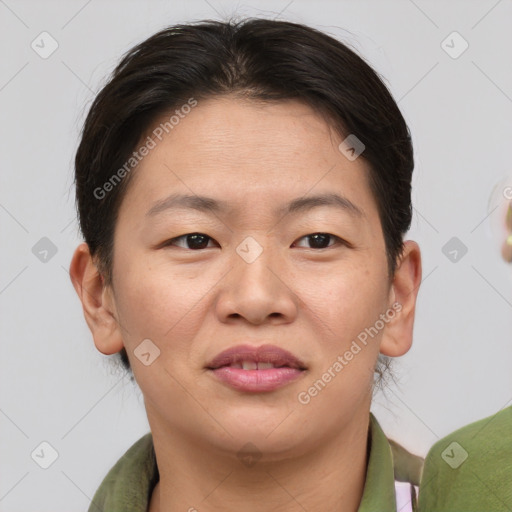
262	354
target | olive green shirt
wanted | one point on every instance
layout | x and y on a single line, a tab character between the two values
470	470
128	486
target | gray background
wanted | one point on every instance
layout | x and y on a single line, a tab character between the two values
56	387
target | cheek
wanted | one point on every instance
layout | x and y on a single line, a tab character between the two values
348	344
155	303
347	300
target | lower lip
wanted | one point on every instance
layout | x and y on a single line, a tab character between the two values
257	380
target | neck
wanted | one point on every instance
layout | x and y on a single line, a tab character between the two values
330	477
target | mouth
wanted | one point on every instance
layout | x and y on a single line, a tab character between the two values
264	357
256	369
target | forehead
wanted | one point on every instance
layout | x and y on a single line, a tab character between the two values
249	153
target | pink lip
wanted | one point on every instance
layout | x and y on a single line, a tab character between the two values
288	368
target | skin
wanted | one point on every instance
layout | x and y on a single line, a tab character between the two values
194	303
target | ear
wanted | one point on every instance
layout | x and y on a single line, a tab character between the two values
97	301
397	337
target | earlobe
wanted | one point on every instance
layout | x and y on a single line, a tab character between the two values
97	301
397	337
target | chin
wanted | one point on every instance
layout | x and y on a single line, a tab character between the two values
270	429
258	445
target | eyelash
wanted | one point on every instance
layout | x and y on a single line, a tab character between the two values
337	239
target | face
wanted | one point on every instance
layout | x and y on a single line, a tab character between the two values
246	269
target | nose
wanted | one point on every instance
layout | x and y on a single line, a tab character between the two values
258	289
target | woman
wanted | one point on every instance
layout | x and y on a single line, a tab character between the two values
243	190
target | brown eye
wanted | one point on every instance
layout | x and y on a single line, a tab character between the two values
193	241
321	240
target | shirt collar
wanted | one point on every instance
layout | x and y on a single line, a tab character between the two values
129	484
379	488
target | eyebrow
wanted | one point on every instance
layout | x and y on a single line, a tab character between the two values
298	205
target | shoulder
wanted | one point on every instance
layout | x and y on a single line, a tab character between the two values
129	482
471	468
